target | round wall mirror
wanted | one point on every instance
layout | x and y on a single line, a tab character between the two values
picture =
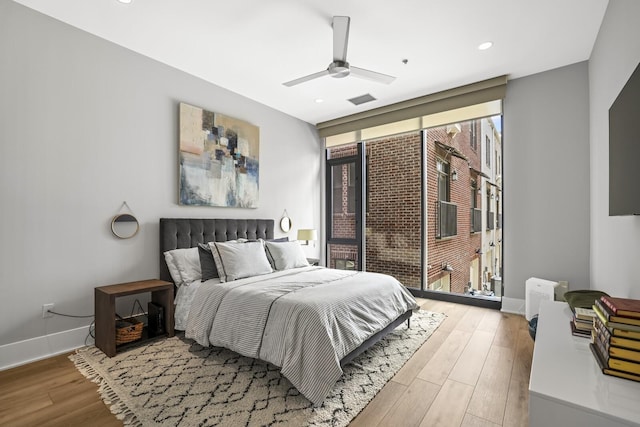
285	224
124	226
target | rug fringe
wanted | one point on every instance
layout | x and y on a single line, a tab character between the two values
117	407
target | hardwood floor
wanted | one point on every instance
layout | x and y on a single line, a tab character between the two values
473	371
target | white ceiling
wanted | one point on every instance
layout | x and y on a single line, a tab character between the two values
252	46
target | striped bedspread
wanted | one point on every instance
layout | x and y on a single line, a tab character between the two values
302	320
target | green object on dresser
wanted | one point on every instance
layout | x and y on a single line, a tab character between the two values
584	298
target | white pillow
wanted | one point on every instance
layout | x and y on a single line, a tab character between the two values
187	262
286	255
238	260
173	269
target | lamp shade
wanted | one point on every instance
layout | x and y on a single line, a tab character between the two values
307	234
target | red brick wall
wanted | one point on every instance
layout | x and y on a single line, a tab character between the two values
394	219
457	251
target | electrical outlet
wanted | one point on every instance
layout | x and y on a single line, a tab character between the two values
45	310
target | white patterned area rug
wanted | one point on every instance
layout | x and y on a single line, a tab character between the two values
175	382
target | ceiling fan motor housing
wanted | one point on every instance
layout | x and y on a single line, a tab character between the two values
339	69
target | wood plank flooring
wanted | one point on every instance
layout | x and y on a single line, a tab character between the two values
472	372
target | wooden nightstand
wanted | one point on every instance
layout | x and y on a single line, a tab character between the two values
105	309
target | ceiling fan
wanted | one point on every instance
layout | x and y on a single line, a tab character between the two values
340	68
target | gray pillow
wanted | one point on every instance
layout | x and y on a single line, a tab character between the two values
207	263
286	255
239	260
269	257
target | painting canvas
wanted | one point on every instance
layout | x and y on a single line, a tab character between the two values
219	159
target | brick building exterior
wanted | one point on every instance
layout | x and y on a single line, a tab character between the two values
393	226
457	251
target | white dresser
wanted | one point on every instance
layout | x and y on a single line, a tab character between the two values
566	387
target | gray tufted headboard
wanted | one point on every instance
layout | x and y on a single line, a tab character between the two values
177	233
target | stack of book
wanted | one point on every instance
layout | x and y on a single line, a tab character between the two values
582	322
616	336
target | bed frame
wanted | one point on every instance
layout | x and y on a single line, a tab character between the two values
178	233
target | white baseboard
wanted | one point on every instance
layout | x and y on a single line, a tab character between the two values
513	305
27	351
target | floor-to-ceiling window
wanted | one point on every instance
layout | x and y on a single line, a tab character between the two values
427	192
430	211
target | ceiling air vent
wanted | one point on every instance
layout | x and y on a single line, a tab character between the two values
362	99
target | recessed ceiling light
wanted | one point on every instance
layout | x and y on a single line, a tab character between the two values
485	45
125	1
319	100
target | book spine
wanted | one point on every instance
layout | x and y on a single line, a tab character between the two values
610	343
605	354
602	329
598	356
600	315
632	312
604	342
604	309
609	304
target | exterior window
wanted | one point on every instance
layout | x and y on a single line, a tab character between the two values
447	213
351	188
473	137
488	150
490	216
443	180
443	284
337	190
345	264
476	214
474	191
344	180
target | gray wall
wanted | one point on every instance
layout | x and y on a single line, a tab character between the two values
615	241
85	125
546	179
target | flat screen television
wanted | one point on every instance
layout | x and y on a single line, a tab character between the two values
624	149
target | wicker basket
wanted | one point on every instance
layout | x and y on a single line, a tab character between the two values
128	330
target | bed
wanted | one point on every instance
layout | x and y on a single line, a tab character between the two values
309	321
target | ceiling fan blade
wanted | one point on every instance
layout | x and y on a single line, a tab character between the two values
340	37
371	75
306	78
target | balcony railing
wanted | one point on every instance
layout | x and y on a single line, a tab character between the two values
476	220
490	222
447	219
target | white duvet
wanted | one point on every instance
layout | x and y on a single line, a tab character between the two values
302	320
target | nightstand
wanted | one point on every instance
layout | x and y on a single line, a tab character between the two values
105	309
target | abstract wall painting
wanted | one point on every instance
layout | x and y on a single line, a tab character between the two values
219	159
